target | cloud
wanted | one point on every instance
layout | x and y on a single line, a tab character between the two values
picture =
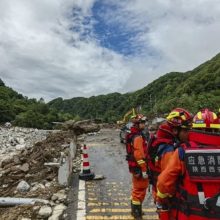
47	51
174	35
52	48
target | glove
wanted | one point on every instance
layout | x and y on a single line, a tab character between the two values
144	175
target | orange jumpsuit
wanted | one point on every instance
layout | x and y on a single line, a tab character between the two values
139	184
165	152
162	164
167	179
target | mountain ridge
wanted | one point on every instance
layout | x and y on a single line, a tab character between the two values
192	90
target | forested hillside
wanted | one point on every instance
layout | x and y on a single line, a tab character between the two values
191	90
27	112
106	107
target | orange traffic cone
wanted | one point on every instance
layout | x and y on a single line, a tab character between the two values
86	173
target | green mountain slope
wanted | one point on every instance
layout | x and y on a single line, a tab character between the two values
106	107
26	112
191	90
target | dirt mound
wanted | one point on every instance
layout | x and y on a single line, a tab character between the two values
29	164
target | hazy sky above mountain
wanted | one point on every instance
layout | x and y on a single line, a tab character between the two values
69	48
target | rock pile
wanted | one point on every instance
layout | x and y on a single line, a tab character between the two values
25	175
14	139
81	127
51	210
30	163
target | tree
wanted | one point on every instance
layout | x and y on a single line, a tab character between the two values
2	83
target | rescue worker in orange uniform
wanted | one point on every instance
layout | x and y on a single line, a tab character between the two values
167	138
191	180
139	167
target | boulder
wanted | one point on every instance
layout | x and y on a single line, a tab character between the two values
20	146
45	211
57	212
8	125
24	167
60	195
54	197
81	127
23	186
16	159
37	187
20	140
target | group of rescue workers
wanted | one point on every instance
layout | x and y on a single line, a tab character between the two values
181	161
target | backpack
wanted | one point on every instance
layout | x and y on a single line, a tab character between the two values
154	147
132	164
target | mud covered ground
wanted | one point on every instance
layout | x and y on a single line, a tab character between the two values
28	165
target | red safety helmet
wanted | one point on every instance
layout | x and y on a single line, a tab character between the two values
206	119
180	117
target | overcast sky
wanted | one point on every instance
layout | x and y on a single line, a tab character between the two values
69	48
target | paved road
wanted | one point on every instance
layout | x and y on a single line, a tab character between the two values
110	198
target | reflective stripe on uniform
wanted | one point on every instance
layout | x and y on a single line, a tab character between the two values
162	195
214	125
199	125
140	162
136	202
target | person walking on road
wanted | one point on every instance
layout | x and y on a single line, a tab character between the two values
137	149
162	146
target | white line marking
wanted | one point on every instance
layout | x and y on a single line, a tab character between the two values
81	209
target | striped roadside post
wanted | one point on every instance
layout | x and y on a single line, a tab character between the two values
86	173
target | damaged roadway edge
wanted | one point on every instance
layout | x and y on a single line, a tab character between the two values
73	197
41	178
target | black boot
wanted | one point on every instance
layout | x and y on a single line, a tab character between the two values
136	211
